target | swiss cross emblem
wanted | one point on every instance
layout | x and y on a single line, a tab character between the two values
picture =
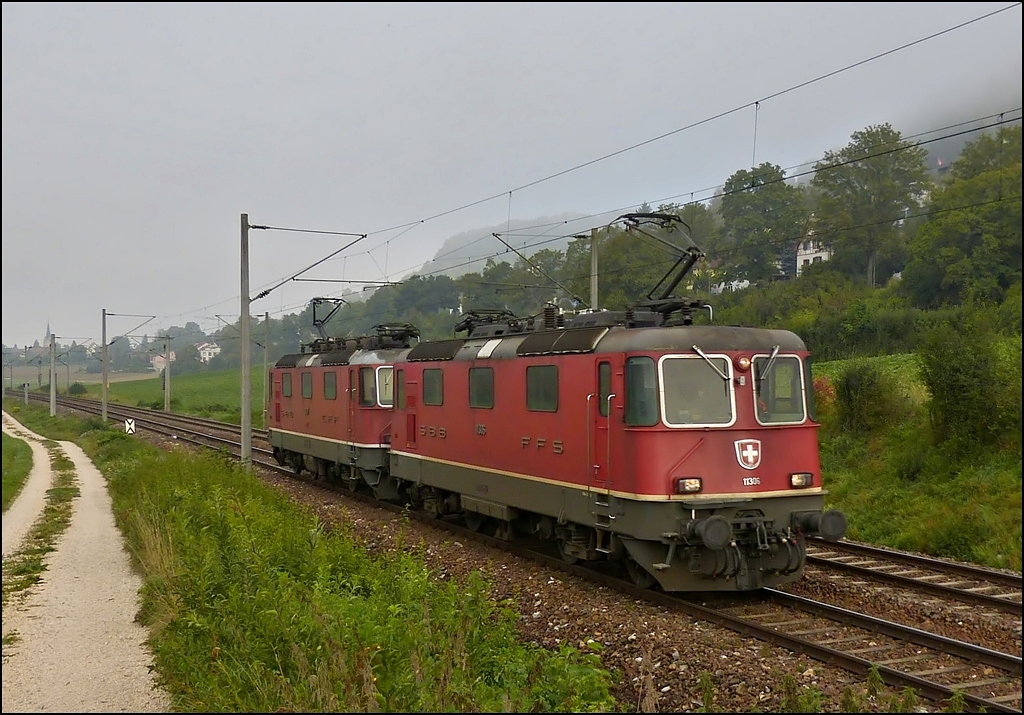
748	453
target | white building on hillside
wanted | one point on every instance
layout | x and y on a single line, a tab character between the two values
208	351
811	251
157	361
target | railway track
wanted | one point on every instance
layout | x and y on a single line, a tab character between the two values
937	667
971	584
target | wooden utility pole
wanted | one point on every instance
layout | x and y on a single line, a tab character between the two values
246	406
593	269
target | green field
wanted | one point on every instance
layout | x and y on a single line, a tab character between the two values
898	488
206	394
17	465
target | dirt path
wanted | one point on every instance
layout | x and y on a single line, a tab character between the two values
77	647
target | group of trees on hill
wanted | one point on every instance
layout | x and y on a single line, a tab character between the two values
937	239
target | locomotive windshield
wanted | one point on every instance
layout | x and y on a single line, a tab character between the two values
779	386
693	391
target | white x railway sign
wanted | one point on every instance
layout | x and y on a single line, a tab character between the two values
129	426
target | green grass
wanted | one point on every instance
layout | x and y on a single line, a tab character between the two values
254	606
17	465
24	568
899	488
205	394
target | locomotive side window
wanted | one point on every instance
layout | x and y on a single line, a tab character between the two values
286	384
433	387
307	385
812	411
367	387
604	386
694	392
330	385
778	387
481	387
385	387
400	389
641	392
542	388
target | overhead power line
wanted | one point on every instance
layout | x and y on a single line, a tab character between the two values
706	120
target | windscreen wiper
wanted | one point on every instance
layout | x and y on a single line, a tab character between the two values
712	364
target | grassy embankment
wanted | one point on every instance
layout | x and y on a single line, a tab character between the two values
254	606
901	488
17	464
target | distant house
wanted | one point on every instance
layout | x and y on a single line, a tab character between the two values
730	286
208	351
157	361
811	251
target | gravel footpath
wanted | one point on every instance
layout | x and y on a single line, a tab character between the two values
76	646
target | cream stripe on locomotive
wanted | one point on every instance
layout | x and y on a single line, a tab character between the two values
303	435
616	493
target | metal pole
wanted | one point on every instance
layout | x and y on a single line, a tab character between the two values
103	388
246	406
266	366
167	374
26	377
53	375
593	269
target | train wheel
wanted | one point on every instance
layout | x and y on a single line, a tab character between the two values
637	573
563	550
474	520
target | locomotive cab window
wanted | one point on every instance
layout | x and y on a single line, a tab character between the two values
433	387
286	384
604	387
400	389
481	387
307	385
694	392
641	392
542	388
367	387
385	386
778	389
330	385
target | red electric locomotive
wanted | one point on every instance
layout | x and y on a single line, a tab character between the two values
331	408
686	452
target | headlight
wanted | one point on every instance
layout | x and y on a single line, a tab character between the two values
801	479
688	485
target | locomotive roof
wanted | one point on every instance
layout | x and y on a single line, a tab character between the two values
342	357
604	339
614	339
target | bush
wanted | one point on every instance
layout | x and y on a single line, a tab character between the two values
975	384
869	398
78	388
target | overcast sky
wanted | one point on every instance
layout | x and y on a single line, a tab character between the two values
135	135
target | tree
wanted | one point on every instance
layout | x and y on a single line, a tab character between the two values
866	190
763	218
970	247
